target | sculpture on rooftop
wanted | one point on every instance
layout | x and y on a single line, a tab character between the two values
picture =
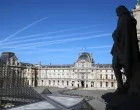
125	50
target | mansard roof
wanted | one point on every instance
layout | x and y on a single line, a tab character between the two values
26	64
7	55
57	66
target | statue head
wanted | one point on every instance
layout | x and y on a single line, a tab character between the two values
121	10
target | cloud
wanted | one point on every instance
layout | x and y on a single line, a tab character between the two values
19	31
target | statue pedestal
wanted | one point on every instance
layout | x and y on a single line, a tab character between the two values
135	82
121	102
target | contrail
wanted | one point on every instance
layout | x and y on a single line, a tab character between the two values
103	51
101	46
31	46
67	50
23	29
44	38
57	31
64	40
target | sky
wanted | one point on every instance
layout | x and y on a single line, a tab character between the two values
56	31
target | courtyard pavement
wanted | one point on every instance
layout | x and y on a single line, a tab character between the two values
96	102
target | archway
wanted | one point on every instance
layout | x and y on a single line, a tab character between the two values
72	83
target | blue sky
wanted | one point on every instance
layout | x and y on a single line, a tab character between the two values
55	31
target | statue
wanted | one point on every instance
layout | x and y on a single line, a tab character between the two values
125	50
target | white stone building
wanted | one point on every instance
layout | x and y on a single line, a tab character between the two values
83	73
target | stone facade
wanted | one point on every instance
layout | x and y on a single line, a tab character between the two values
84	73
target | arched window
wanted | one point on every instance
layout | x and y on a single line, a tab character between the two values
42	82
72	83
92	84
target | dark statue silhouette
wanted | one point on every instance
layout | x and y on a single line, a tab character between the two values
125	52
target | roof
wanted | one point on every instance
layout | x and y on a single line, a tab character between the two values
26	64
7	55
85	56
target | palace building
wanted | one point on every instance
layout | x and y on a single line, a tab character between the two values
83	73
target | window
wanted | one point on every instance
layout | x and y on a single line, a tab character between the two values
86	76
112	76
106	76
73	83
106	84
78	76
42	82
67	82
92	84
62	82
49	82
100	84
53	82
112	84
100	76
58	82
